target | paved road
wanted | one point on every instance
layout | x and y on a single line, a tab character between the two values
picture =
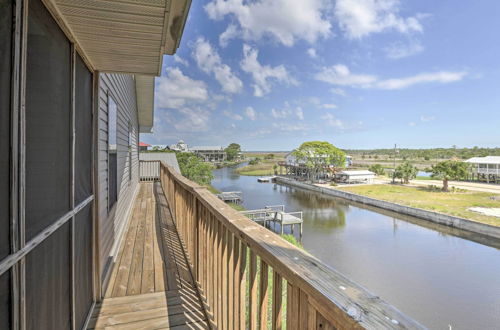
484	187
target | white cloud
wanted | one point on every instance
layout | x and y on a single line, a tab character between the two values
442	77
338	91
331	120
359	18
250	113
312	53
399	50
209	61
425	119
188	119
287	112
175	90
230	33
290	127
180	60
232	115
299	113
412	124
341	75
280	113
263	75
278	19
329	106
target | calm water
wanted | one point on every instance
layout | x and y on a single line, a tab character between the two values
437	276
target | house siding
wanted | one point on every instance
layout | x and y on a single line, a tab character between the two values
112	222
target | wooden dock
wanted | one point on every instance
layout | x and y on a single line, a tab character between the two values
151	286
276	214
231	197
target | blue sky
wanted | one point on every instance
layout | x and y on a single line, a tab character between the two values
271	74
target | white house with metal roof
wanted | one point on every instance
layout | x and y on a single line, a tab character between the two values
485	168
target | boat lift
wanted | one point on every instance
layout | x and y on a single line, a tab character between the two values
276	214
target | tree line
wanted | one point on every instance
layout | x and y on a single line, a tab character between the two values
427	154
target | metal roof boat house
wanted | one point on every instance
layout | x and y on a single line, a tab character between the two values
86	242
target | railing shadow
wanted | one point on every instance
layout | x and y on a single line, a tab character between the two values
185	304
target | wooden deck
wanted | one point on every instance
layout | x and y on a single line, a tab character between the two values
151	286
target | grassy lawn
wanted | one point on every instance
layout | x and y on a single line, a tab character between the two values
453	203
265	167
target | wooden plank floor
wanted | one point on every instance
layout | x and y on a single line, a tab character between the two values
151	286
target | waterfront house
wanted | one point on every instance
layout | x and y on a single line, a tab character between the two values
486	169
214	154
143	146
83	242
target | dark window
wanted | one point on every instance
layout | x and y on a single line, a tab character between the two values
83	264
83	127
48	105
5	81
48	283
5	313
112	153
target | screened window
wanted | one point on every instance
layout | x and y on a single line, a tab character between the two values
112	153
83	131
48	113
5	76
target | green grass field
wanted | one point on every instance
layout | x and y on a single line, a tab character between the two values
265	167
453	203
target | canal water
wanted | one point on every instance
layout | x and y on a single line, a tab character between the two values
438	276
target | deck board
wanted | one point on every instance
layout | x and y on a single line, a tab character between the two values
151	286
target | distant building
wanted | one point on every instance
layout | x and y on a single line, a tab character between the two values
143	146
485	168
180	146
214	154
355	176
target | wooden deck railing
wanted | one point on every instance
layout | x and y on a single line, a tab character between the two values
149	170
253	279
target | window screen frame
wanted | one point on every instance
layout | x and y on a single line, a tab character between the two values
21	248
112	149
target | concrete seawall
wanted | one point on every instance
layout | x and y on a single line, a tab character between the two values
440	218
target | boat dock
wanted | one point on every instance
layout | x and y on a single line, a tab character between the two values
231	197
276	214
266	179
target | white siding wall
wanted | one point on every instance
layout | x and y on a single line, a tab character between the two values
112	224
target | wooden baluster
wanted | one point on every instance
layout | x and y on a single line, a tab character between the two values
277	300
303	310
311	316
211	264
252	299
223	282
216	269
264	293
292	307
236	282
230	281
243	286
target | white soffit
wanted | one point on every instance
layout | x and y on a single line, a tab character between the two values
145	88
127	36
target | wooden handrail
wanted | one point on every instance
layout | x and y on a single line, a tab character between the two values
223	245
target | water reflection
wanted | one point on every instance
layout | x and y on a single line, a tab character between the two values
435	274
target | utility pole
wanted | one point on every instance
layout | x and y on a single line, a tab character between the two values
394	170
